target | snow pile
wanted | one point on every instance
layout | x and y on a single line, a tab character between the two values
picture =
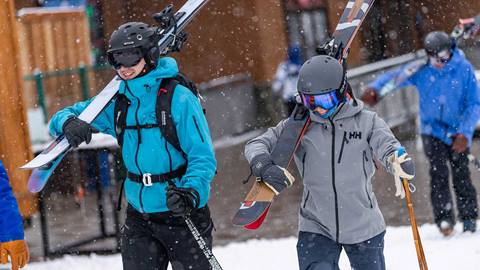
460	251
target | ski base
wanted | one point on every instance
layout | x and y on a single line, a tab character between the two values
39	177
254	208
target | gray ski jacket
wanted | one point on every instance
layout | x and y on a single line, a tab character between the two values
335	161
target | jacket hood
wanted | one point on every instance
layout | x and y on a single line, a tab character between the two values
345	110
166	68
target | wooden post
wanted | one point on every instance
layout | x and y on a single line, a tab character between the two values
14	137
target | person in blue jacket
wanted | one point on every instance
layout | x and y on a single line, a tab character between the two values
163	183
286	77
449	111
12	242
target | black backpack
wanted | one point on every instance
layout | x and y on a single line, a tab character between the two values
163	111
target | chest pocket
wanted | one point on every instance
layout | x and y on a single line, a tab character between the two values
350	139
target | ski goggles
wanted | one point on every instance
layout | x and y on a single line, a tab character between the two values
125	58
442	56
325	101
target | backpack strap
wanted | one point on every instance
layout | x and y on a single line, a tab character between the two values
164	112
120	116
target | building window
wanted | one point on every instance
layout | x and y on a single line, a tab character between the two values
306	24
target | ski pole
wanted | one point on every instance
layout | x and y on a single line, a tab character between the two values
422	262
201	243
474	160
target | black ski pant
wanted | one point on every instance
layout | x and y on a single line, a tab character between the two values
151	241
438	154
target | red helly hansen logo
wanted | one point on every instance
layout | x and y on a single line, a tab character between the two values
162	90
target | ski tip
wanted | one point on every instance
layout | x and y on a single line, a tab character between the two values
27	166
250	212
36	181
257	223
33	187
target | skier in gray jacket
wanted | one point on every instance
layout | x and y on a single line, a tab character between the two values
335	160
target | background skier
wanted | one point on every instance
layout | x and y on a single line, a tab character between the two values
285	82
163	183
449	111
12	243
335	160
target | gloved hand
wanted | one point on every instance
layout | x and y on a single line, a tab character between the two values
18	252
77	131
274	176
182	200
403	168
370	97
460	143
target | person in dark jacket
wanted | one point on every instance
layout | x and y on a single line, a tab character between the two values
339	209
163	183
449	111
12	239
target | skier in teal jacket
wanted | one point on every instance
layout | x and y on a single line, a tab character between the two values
163	182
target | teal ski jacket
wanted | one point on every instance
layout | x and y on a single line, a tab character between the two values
151	153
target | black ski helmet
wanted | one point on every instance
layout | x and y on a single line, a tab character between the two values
322	74
135	35
436	42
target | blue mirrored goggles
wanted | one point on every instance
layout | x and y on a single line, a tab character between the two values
326	101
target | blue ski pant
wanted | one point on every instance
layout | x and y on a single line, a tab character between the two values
317	252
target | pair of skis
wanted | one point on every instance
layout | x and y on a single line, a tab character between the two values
465	29
254	208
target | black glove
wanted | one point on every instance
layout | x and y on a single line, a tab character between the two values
260	163
77	131
182	200
274	176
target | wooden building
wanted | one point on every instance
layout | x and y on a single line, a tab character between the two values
252	35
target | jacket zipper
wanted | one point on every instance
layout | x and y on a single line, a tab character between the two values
306	198
366	178
333	182
138	146
303	164
198	129
345	140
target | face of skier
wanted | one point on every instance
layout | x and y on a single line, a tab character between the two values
438	60
128	73
323	105
128	63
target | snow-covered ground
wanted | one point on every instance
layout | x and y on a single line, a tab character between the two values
460	251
